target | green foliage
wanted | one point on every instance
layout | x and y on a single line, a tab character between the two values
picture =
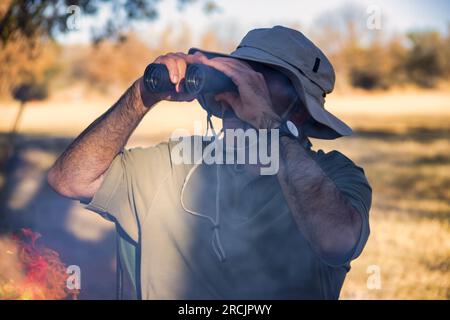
362	58
421	59
33	19
368	68
30	91
427	59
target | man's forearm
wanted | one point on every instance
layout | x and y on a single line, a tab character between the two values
324	216
77	170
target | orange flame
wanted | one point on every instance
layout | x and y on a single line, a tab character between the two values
29	271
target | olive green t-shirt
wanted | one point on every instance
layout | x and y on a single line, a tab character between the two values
219	232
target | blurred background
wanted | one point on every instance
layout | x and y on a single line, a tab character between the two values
63	63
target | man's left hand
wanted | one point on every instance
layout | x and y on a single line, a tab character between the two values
253	103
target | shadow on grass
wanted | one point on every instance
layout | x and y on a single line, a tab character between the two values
419	134
439	215
433	160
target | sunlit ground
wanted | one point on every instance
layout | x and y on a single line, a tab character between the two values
402	140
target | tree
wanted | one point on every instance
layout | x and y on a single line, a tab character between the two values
28	27
426	61
35	18
25	92
111	64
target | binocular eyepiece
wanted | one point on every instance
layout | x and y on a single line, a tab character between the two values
199	79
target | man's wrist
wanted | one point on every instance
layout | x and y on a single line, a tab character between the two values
269	121
147	99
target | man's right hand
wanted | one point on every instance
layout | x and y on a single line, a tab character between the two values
79	171
176	64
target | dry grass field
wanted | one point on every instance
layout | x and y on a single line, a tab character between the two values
402	140
409	170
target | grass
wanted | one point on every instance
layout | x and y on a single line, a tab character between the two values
407	161
410	230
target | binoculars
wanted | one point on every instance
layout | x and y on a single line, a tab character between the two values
199	79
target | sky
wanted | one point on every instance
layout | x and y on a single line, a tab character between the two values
236	17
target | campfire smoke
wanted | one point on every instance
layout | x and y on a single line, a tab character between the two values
30	271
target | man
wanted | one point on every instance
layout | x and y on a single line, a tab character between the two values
225	231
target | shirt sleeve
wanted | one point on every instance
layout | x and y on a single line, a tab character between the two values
129	185
353	184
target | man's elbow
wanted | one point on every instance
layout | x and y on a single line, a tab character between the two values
338	254
339	250
56	183
70	187
61	185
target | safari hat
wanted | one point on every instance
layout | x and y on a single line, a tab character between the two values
309	70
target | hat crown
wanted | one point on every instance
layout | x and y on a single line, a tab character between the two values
295	49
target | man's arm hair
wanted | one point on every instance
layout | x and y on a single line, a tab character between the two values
324	216
78	172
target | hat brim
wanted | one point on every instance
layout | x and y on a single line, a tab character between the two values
327	125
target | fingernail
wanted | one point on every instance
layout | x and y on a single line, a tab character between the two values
175	79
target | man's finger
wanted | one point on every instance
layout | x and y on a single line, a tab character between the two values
197	57
181	65
241	69
236	63
231	72
172	67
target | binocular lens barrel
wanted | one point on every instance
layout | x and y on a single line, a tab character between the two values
157	79
199	79
195	78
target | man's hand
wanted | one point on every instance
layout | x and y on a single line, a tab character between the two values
176	64
253	103
78	172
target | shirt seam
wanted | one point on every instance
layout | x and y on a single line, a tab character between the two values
158	189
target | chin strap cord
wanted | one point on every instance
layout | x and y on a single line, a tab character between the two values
209	125
215	241
215	221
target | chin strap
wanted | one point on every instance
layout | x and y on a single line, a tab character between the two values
290	109
216	242
298	116
209	125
